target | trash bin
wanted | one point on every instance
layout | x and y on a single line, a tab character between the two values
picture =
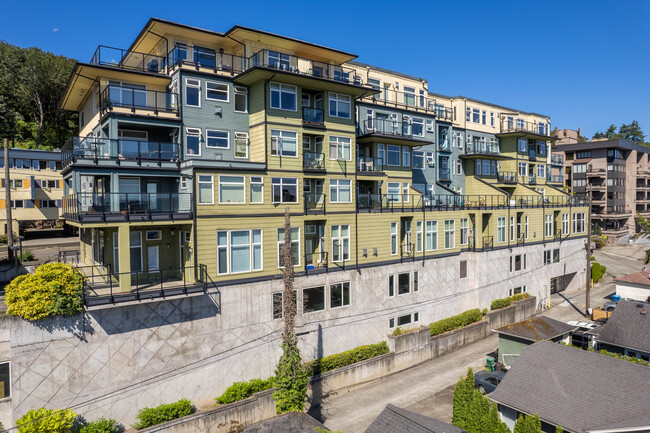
616	298
490	363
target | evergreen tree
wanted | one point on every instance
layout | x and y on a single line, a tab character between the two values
492	423
559	429
528	424
632	132
478	411
463	393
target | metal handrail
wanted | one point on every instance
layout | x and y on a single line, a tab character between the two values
314	203
313	160
508	125
97	148
367	164
127	59
313	117
219	61
138	99
322	260
389	127
413	101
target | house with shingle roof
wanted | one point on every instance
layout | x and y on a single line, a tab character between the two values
634	286
582	391
627	331
394	419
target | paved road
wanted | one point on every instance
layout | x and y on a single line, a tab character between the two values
428	388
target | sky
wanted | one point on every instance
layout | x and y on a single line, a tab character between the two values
586	64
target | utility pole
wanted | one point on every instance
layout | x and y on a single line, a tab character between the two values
588	248
10	233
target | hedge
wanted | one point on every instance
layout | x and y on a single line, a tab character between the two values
597	271
454	322
241	390
101	425
497	304
349	357
163	413
46	420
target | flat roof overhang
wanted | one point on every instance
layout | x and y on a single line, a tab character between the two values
392	139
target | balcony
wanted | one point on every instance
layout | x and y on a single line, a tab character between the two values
105	151
482	148
138	100
369	165
313	161
532	180
314	203
407	250
512	126
389	202
125	59
411	101
117	207
532	154
555	178
313	117
203	58
444	175
557	159
507	177
595	172
444	145
316	260
393	129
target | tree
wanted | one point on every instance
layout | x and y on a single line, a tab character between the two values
463	394
609	134
528	424
291	377
477	413
559	429
632	132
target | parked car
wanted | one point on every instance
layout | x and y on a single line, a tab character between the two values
487	381
584	326
609	306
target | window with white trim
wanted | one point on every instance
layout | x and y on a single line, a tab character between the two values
241	99
512	228
192	92
313	299
406	156
541	170
193	141
393	192
295	247
418	159
284	97
285	189
239	251
340	191
432	235
450	234
206	189
393	239
340	148
232	189
219	139
417	127
340	243
153	235
464	231
418	236
216	91
339	294
241	145
339	105
565	224
579	222
523	169
548	225
517	290
392	152
501	229
284	143
278	304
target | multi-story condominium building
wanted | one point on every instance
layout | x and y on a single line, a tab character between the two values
36	189
566	136
405	206
616	174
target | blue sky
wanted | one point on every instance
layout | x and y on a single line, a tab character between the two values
584	63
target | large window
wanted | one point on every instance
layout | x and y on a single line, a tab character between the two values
464	231
392	155
241	99
523	169
417	127
548	225
404	283
339	295
565	224
340	243
393	238
578	222
285	189
192	92
239	251
432	235
220	139
313	299
5	380
501	229
522	145
278	304
394	191
257	189
284	143
340	105
206	189
193	141
450	234
418	159
232	189
284	97
340	191
541	170
295	247
216	91
340	148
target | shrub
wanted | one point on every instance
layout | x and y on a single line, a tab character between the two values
101	425
497	304
163	413
53	289
291	379
241	390
597	271
454	322
349	357
27	256
46	421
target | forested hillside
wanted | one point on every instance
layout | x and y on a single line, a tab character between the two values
31	84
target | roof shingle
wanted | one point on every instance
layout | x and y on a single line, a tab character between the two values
629	326
394	419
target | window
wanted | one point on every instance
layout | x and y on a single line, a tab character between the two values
154	235
135	250
406	156
556	255
417	127
340	105
578	222
17	204
192	92
232	189
429	125
53	165
48	203
46	183
565	223
193	141
517	290
404	283
239	251
409	95
340	243
463	269
375	84
406	192
416	281
284	97
491	118
526	227
418	236
432	235
295	246
393	192
547	257
241	99
257	189
579	168
340	148
548	225
418	159
241	145
522	145
484	117
220	139
284	143
183	184
476	115
285	189
278	304
523	169
216	91
393	239
541	170
391	285
392	155
313	299
339	295
206	189
5	380
512	228
459	167
450	234
340	191
501	229
464	231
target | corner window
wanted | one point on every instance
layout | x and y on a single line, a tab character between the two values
232	189
192	92
340	105
241	99
216	91
219	139
284	97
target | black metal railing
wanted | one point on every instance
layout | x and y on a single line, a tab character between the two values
313	117
218	61
138	99
557	159
555	178
316	260
482	148
96	149
314	203
507	177
367	164
68	256
557	235
127	206
389	127
410	100
407	250
511	125
444	174
532	180
126	59
488	242
389	202
313	161
103	288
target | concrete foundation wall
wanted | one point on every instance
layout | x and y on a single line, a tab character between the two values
115	361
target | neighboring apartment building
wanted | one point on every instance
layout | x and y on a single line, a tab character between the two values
189	154
566	136
616	173
36	189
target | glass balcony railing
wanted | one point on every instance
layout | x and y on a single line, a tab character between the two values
314	161
199	57
557	159
136	98
96	149
555	178
367	164
483	148
313	117
391	128
512	125
414	100
507	177
125	59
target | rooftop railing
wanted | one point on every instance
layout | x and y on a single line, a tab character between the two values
411	101
96	149
197	57
508	125
126	59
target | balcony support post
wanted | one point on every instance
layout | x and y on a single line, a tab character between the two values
124	255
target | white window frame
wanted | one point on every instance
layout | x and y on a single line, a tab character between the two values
207	139
335	184
341	242
277	246
419	236
338	98
242	183
578	217
566	226
282	183
216	83
283	88
464	231
280	137
548	225
188	85
255	180
406	156
343	304
193	132
239	90
452	234
501	229
251	245
157	233
430	233
199	182
241	136
393	239
419	121
340	144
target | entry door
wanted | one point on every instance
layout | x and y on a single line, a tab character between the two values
152	258
152	191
